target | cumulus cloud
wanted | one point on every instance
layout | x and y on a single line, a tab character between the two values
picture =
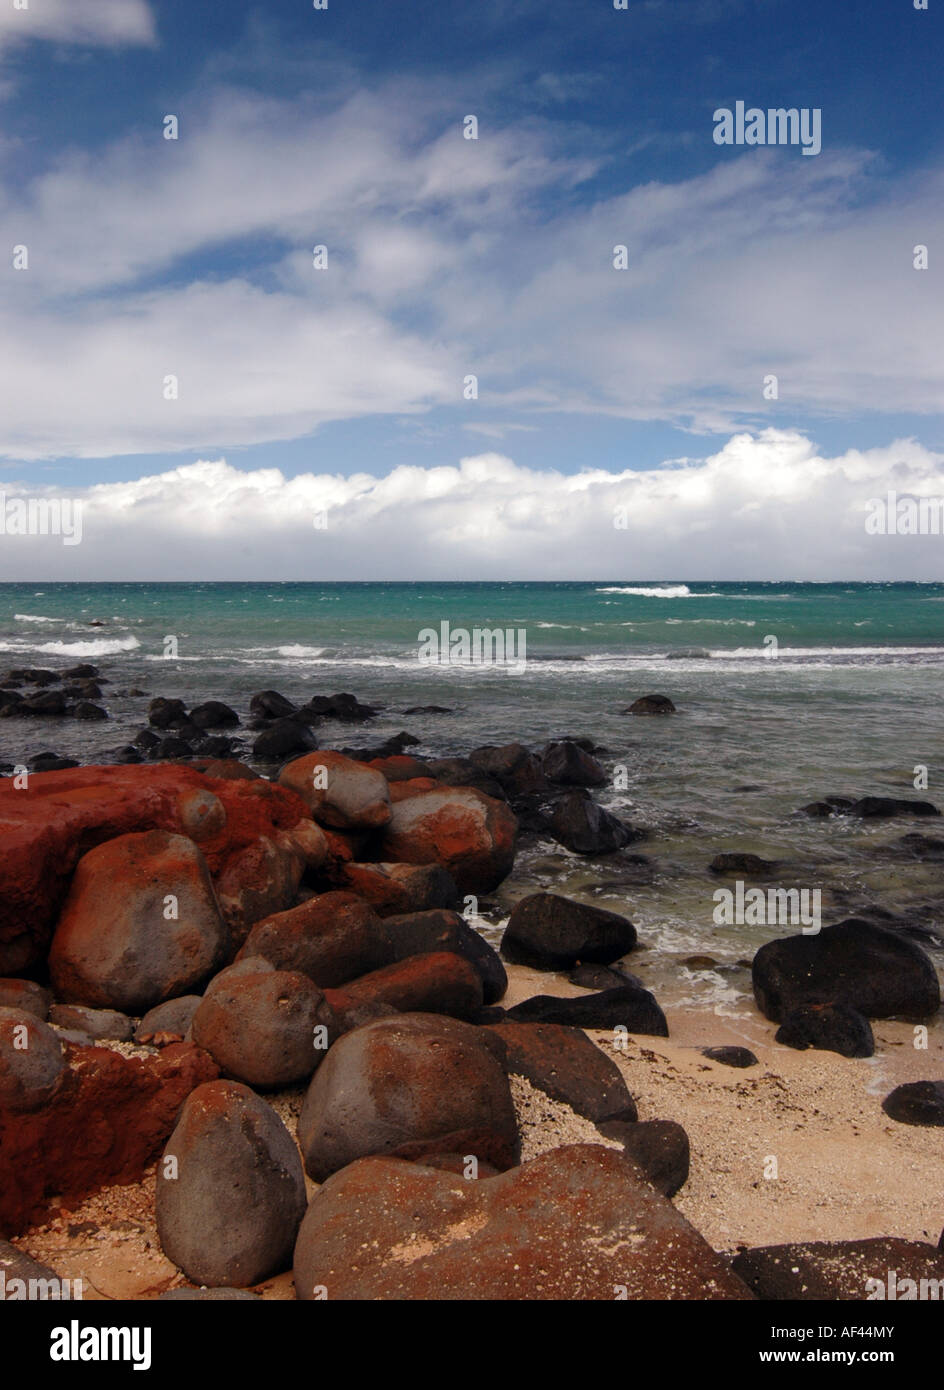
109	23
765	505
447	257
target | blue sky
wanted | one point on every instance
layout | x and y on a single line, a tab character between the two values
449	257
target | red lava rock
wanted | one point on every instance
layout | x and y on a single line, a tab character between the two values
577	1223
470	833
106	1124
400	768
115	946
49	825
393	889
439	982
339	791
564	1064
842	1270
31	1061
332	938
414	786
412	1080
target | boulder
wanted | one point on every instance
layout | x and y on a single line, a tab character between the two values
651	704
875	806
577	1223
878	972
26	995
602	977
269	704
344	707
85	709
213	714
583	827
471	834
461	772
167	714
401	768
106	1123
339	792
395	889
737	863
626	1007
439	982
828	1027
413	1080
141	924
105	1024
219	1295
49	702
916	1103
267	1028
283	737
567	1066
550	932
168	1022
514	767
229	1208
332	938
31	1061
659	1148
844	1271
566	764
415	933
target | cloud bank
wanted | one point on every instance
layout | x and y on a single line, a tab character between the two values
764	506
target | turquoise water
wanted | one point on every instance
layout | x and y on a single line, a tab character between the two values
851	705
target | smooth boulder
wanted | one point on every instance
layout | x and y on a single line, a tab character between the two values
339	792
550	932
471	834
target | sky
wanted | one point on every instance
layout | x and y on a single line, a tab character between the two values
470	378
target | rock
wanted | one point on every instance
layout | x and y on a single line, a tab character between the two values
470	834
409	1080
340	793
603	977
870	806
202	815
344	707
660	1148
401	768
51	762
583	827
731	1056
264	878
281	738
269	704
627	1007
267	1028
439	982
393	889
105	1124
39	1282
48	826
220	1295
168	1020
513	766
840	1270
429	709
226	769
168	749
332	938
918	846
390	748
878	972
736	863
828	1027
146	739
460	772
115	946
917	1103
213	714
577	1223
401	791
568	765
568	1067
31	1061
26	995
550	932
231	1215
86	710
96	1023
80	673
50	702
817	809
651	704
416	933
167	714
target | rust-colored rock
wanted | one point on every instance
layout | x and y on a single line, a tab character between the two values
48	826
577	1223
392	889
332	938
339	792
106	1124
471	834
438	982
564	1064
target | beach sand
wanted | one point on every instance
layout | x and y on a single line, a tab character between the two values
844	1169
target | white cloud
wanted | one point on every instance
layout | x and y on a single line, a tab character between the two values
109	23
447	257
763	506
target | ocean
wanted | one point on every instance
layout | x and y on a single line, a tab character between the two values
785	693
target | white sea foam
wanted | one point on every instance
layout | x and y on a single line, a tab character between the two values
102	646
